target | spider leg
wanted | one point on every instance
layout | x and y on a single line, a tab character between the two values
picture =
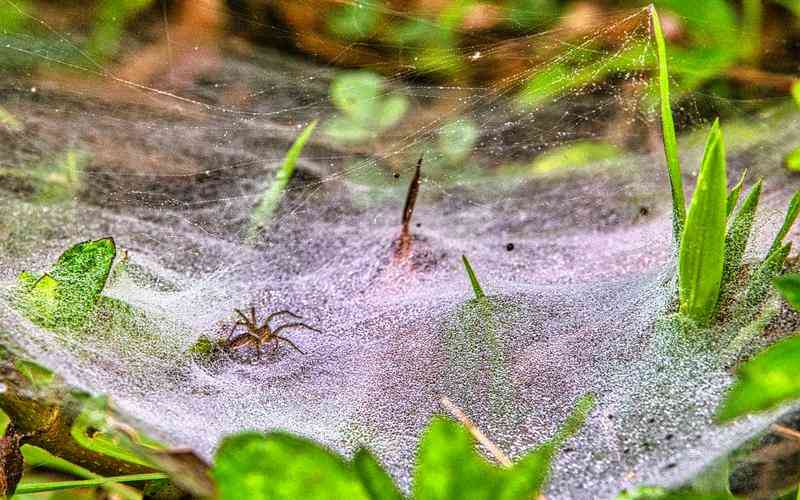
233	329
278	313
290	343
290	325
241	315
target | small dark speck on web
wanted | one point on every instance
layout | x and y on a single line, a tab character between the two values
668	437
671	465
419	224
397	175
644	211
510	247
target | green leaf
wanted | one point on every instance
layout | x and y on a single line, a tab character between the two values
393	109
761	283
476	287
457	138
658	493
796	89
65	297
576	154
702	247
280	466
355	21
789	286
733	196
764	382
448	464
739	234
793	160
28	488
374	478
788	222
668	131
357	94
271	199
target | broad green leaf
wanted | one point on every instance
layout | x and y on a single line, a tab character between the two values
393	108
272	196
280	466
788	222
733	196
377	482
457	139
345	130
739	234
66	296
354	21
702	246
796	89
793	160
576	154
765	381
448	464
789	287
476	287
357	94
668	132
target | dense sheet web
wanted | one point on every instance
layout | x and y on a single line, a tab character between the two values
577	264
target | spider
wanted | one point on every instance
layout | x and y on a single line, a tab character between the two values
256	336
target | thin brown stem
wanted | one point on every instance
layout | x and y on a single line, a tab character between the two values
404	246
786	432
479	436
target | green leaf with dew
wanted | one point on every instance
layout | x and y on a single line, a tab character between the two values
788	222
760	284
733	196
473	279
271	199
354	21
789	287
280	466
764	382
702	247
393	108
668	131
347	131
357	94
739	234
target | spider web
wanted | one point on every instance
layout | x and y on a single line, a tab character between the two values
577	259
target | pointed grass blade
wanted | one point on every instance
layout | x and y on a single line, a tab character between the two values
739	234
702	249
668	131
28	488
476	287
272	197
788	222
736	191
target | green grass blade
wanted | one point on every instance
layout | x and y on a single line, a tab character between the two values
788	222
668	131
702	248
24	489
473	279
271	198
761	283
736	191
739	234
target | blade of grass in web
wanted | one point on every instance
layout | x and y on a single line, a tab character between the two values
702	248
788	222
476	287
271	198
24	489
736	191
668	131
739	234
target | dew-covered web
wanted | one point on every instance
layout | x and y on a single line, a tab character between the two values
577	258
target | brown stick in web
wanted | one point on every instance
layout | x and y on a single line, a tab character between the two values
479	436
404	244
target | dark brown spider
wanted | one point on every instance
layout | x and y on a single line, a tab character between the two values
256	336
